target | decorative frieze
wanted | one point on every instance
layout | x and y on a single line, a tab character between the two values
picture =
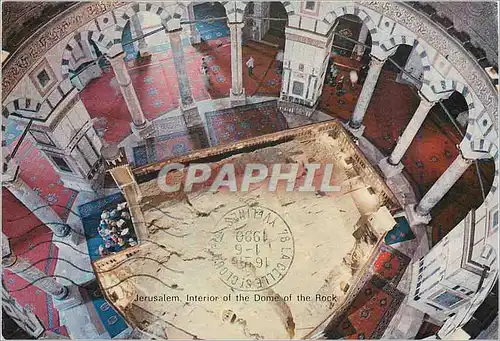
42	41
445	45
305	40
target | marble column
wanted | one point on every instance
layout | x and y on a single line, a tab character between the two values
23	268
363	35
141	127
188	105
443	184
420	214
392	165
195	37
355	123
29	198
64	297
135	22
237	91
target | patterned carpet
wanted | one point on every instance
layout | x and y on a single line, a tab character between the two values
366	316
40	175
390	264
154	79
238	123
18	225
400	233
104	317
169	145
212	29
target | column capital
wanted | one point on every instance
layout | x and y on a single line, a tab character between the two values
425	101
463	158
116	57
174	31
375	62
241	23
10	175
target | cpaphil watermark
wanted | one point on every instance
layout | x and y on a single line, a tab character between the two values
311	177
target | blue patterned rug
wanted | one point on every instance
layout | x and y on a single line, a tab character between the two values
400	233
107	317
211	29
169	145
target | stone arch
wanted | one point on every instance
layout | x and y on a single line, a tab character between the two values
488	147
26	104
331	16
437	90
390	46
104	42
132	10
234	10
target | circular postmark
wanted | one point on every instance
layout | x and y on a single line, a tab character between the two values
252	248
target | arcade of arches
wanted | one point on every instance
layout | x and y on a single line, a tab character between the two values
103	95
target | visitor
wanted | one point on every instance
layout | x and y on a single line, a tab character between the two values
333	74
353	76
363	73
250	65
279	61
340	86
204	73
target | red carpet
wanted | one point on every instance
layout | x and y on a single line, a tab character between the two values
390	264
31	297
40	175
369	312
430	154
155	82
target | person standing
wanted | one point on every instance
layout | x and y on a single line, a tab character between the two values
353	76
250	65
279	61
333	74
340	86
204	72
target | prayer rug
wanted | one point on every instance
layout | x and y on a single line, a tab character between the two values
400	233
104	317
390	263
243	122
371	307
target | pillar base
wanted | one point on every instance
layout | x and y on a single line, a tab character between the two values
144	131
144	52
64	233
191	115
72	299
195	39
389	169
358	132
415	218
237	100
